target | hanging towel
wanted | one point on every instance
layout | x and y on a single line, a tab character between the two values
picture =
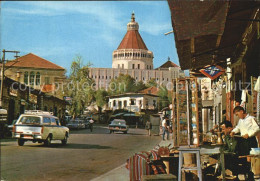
243	96
257	85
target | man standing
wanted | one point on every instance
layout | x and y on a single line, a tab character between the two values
248	128
148	127
91	122
165	128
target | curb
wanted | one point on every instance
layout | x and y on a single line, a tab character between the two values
118	174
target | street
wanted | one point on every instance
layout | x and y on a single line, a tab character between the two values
86	156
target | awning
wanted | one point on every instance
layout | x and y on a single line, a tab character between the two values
208	32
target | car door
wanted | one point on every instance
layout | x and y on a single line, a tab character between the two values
57	129
47	127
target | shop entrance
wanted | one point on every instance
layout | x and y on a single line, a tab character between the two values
11	111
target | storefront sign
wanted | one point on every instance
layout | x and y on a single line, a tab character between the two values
213	71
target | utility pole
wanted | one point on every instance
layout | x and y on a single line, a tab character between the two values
2	73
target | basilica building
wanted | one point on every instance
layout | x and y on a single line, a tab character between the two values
132	57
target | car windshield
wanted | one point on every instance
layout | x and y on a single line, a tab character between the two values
30	120
118	122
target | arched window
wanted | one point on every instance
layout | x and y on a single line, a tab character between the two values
32	75
25	77
38	78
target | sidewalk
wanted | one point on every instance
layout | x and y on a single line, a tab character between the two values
121	173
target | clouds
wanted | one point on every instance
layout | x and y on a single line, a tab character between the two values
55	28
156	28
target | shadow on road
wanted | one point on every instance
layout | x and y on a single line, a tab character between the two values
74	146
136	134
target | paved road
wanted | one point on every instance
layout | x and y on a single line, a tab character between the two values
87	155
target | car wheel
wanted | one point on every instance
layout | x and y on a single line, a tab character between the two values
125	132
47	142
20	142
65	140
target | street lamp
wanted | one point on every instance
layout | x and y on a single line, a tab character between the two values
2	73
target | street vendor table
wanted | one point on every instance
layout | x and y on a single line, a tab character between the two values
215	149
166	160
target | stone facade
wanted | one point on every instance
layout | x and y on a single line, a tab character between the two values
35	77
35	72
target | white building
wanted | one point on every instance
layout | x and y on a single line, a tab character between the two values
134	102
132	57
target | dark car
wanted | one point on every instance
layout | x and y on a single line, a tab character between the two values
76	124
118	125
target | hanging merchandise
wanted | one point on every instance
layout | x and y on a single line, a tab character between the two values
213	71
243	99
187	112
257	89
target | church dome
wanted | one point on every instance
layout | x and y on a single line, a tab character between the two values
132	52
132	38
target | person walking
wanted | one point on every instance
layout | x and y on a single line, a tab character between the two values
148	127
91	122
165	128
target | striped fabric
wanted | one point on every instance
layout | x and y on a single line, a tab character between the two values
154	155
139	166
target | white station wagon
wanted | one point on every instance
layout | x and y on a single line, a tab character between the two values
39	126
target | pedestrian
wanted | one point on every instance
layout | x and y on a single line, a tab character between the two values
248	128
91	122
148	127
165	128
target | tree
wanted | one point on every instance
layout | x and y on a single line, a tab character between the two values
151	83
79	87
122	84
139	86
165	97
125	83
101	99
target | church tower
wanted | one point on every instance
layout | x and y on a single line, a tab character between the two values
132	52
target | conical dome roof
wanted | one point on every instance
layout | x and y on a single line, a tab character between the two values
132	38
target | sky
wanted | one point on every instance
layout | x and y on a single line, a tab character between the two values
61	30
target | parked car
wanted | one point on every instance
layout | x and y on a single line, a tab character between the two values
76	124
118	125
39	127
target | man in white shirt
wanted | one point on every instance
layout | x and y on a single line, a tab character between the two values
247	127
165	128
91	122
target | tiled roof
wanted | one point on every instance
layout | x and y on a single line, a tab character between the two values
150	90
168	64
48	88
33	61
132	40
